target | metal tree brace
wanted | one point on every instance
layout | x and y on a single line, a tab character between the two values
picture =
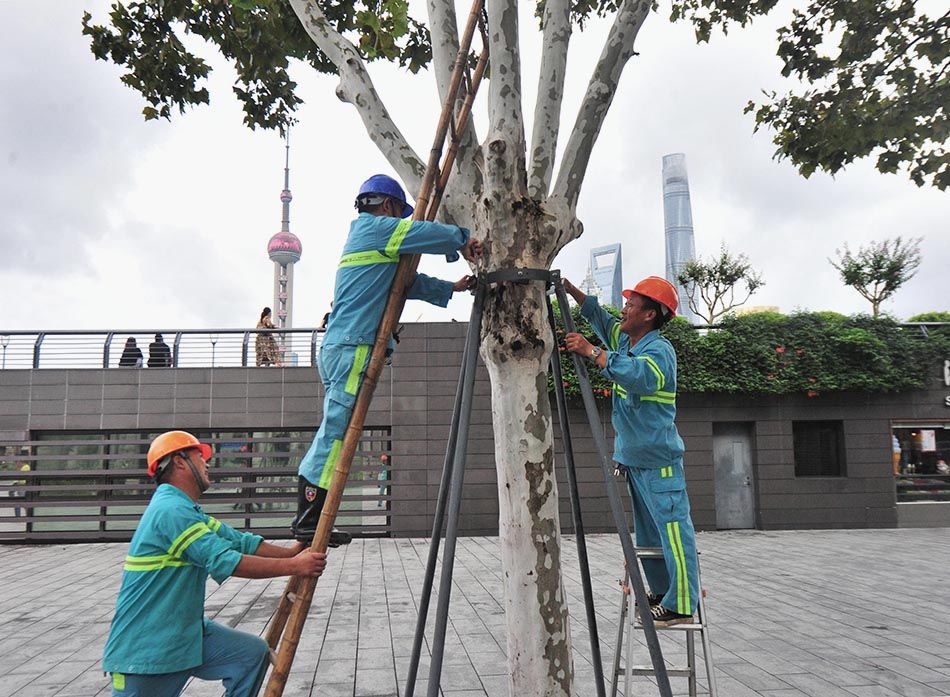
450	493
283	634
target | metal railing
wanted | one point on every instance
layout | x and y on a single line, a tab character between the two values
93	487
184	348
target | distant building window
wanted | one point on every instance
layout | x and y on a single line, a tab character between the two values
819	448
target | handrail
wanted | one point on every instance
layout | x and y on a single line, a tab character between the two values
228	347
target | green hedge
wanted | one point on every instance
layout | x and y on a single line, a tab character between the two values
804	353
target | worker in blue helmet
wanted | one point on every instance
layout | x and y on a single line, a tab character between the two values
364	275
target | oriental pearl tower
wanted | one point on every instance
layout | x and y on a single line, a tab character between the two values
284	250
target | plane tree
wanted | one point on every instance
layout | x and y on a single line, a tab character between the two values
517	193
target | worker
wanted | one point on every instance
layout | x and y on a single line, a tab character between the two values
365	273
159	636
642	365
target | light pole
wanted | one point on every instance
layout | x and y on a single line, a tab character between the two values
213	338
4	340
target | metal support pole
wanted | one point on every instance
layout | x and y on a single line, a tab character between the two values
36	349
455	494
439	518
568	446
616	507
106	348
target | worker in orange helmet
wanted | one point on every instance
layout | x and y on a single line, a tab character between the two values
642	364
159	636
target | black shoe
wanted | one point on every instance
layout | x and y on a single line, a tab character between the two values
338	538
663	617
310	500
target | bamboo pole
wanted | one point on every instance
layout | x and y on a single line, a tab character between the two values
295	602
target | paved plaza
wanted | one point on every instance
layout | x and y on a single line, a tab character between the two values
858	613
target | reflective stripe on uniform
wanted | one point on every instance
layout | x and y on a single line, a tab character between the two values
118	681
660	380
356	370
666	472
372	256
366	258
214	524
661	397
327	474
395	240
682	582
621	392
615	336
183	541
155	563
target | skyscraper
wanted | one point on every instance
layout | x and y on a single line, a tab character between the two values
606	267
284	249
678	224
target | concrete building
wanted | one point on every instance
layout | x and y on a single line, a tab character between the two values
606	270
768	462
678	226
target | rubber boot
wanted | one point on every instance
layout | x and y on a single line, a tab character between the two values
310	500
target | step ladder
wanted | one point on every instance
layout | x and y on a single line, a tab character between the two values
628	623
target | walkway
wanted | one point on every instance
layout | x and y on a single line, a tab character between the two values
859	613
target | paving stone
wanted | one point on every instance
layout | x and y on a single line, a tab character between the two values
779	626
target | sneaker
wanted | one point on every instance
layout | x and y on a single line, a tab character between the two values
664	617
653	599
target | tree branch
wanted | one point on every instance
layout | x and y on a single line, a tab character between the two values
601	89
357	88
547	108
443	30
505	116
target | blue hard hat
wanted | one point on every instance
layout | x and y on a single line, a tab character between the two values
383	185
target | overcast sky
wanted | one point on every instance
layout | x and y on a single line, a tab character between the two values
110	222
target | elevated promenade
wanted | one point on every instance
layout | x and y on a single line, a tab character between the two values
845	613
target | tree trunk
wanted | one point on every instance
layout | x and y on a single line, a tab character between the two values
516	350
516	347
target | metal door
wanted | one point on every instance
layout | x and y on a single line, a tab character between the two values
732	459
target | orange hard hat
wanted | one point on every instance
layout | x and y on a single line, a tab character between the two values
658	289
173	442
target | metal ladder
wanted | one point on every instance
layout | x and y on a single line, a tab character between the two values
628	623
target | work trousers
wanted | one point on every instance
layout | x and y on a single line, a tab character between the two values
237	659
661	519
341	369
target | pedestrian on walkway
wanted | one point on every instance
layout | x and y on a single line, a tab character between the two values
642	365
265	345
159	636
131	355
159	354
363	278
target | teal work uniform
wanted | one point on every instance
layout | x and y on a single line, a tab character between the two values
649	447
363	280
159	636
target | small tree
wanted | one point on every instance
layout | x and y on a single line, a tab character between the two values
878	270
711	286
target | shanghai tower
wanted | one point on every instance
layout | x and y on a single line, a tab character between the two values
678	223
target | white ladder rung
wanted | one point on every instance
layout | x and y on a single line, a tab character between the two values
630	619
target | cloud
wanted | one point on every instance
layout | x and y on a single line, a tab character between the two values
108	221
67	145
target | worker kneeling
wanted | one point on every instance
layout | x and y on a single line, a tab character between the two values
642	365
159	636
363	279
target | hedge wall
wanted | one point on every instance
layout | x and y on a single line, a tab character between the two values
803	353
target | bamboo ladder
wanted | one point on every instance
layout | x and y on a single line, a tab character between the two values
283	634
